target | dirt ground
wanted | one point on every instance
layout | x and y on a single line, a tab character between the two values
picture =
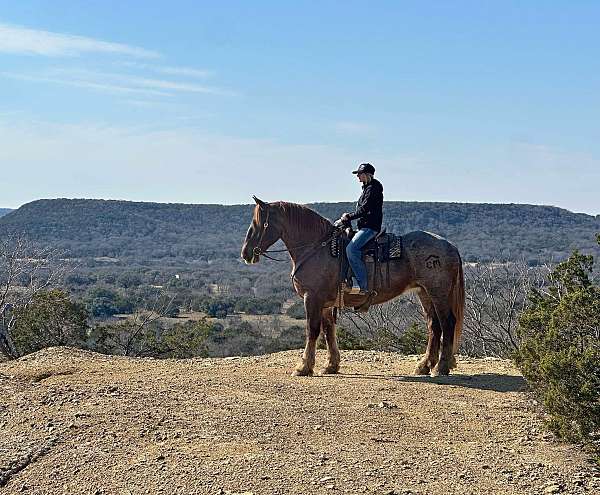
77	422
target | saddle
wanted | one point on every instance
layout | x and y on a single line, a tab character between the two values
377	253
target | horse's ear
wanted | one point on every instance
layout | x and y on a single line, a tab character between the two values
259	202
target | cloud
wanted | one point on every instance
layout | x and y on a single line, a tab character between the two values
174	85
21	40
174	71
117	83
97	86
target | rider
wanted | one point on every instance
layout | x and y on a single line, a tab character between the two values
369	211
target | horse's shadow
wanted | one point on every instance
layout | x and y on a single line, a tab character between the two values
482	381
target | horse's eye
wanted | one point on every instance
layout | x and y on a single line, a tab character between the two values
266	224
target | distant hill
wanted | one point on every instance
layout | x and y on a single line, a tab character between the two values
4	211
141	232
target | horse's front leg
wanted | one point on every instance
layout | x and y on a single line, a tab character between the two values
328	327
314	310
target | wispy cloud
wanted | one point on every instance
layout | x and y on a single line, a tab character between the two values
174	71
116	83
137	81
98	86
175	86
21	40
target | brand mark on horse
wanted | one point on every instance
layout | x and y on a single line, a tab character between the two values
432	261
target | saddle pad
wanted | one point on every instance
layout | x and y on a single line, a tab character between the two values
395	248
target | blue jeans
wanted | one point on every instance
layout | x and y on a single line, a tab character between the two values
354	252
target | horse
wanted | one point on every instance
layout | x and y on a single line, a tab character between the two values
429	265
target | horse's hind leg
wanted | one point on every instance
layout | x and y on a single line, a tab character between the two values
430	359
447	321
313	329
328	327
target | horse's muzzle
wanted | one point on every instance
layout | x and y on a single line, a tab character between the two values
250	257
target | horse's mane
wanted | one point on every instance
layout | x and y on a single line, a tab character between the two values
303	218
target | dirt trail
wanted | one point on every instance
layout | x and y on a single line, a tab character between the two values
78	422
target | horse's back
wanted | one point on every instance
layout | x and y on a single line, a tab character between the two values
430	255
420	239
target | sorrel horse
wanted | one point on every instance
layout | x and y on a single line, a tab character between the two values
429	265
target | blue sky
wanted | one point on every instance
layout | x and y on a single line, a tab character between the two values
202	102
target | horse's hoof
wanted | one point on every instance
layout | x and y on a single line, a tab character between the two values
441	369
330	370
452	363
302	372
422	369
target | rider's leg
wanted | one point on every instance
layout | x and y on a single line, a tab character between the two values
353	250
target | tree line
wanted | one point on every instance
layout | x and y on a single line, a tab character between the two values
130	232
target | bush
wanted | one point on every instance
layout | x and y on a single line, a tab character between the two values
186	340
258	306
296	311
559	353
413	340
347	341
103	302
51	319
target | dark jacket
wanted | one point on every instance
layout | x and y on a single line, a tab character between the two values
369	209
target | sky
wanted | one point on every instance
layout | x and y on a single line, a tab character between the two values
212	102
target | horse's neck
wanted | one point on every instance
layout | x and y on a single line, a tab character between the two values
298	241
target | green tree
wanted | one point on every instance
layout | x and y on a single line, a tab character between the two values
559	353
51	319
103	303
186	340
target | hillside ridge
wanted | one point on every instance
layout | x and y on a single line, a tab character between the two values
143	231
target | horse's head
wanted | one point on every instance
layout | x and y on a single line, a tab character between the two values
265	229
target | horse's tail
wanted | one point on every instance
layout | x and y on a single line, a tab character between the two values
458	303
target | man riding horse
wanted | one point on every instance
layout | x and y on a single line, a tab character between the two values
369	212
429	265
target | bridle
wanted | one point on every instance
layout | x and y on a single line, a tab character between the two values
258	251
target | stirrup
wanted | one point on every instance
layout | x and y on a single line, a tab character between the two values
353	289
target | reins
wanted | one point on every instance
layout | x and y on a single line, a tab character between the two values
322	243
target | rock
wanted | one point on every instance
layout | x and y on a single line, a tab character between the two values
553	488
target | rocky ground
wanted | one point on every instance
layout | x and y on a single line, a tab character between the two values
78	422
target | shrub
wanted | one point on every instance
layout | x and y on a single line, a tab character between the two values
51	319
413	340
559	353
296	311
348	341
258	306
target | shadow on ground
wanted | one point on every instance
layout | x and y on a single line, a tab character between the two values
482	381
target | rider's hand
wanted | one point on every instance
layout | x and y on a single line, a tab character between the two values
338	223
345	217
